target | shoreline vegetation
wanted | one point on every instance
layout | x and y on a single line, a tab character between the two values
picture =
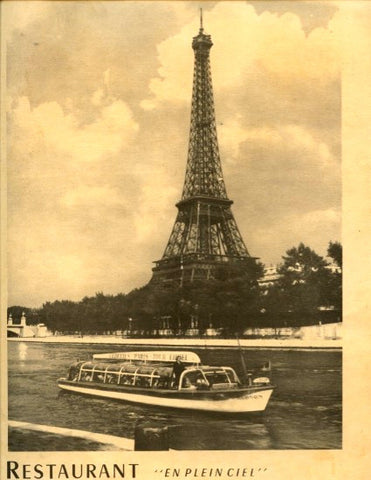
304	291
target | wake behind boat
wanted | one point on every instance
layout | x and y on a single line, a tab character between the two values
168	379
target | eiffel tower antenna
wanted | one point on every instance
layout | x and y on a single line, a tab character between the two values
205	241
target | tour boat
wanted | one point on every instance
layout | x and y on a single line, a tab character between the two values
148	378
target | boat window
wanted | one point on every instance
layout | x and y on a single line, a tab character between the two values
232	375
126	379
164	379
85	374
193	379
98	372
217	377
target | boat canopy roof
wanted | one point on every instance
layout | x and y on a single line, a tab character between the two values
126	368
150	356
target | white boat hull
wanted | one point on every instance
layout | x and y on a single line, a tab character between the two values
254	401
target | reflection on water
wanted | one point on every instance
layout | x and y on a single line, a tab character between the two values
304	411
22	351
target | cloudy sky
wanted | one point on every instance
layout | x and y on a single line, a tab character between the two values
99	105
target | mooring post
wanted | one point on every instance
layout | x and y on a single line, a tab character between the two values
149	438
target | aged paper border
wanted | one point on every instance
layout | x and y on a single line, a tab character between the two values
351	462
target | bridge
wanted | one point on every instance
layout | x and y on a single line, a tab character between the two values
20	330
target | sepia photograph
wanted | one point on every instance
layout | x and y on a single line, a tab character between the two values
174	200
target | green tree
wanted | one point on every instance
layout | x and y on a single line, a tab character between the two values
334	291
304	279
16	312
335	251
60	316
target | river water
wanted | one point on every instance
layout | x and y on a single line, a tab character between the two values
305	411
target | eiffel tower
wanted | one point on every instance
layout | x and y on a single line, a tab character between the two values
205	241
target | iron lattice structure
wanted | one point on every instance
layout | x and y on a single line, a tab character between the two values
205	238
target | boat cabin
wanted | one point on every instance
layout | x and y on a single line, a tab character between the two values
154	375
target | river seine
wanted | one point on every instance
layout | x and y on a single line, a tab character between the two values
305	411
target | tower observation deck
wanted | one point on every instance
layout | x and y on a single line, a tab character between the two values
205	241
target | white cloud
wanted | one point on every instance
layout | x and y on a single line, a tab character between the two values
285	137
276	46
318	218
113	128
315	229
155	203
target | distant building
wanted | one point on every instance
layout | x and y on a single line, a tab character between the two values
271	274
334	268
270	277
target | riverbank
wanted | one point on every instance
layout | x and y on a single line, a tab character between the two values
23	436
253	343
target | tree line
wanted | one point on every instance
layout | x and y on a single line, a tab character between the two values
307	289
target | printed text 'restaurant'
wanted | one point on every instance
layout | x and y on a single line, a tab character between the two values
53	471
